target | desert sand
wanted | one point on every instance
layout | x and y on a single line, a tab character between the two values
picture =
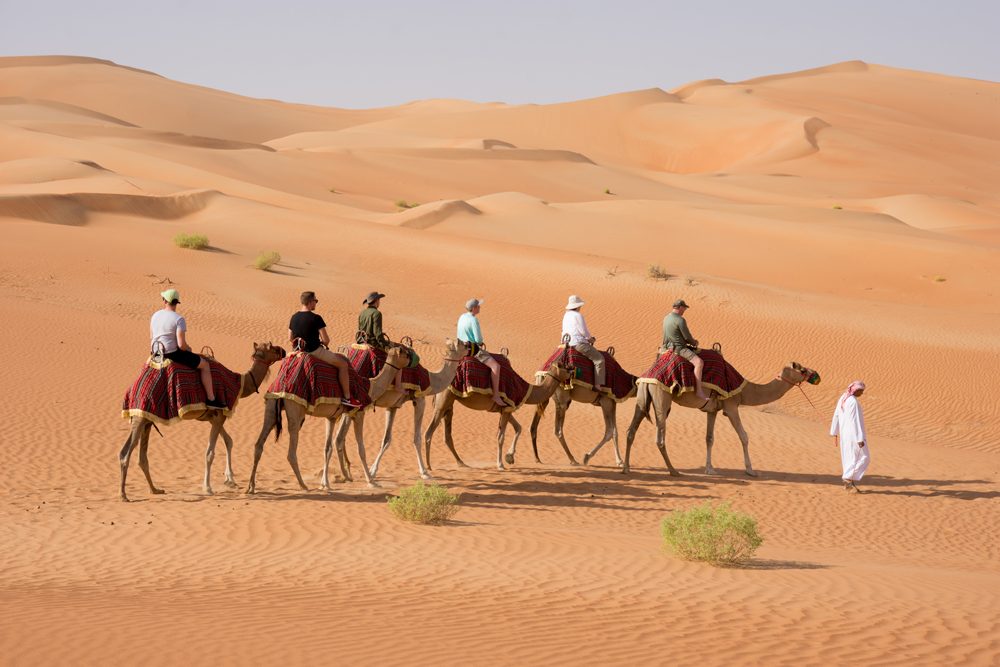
846	217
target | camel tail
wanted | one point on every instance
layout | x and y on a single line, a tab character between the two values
643	401
278	404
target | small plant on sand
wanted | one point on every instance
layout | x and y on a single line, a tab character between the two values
402	203
656	272
716	535
938	279
838	207
192	241
334	191
611	273
424	503
265	260
608	191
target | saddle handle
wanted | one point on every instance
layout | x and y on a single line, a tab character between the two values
505	352
565	340
158	352
298	345
717	347
611	350
209	354
407	341
359	337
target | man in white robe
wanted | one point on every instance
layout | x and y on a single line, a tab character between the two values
848	431
580	339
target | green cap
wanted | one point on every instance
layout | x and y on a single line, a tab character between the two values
171	296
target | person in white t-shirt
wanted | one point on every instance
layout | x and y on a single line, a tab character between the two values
168	332
575	327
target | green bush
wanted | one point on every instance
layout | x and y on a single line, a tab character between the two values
192	241
266	260
424	503
716	535
402	203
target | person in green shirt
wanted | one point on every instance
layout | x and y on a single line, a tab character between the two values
677	338
370	324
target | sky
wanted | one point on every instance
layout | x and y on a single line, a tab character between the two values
371	53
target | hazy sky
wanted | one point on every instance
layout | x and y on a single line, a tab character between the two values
381	52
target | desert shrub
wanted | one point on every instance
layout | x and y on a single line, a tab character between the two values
266	260
608	191
402	203
656	272
192	241
424	503
939	279
717	535
838	207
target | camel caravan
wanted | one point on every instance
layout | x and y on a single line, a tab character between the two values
177	385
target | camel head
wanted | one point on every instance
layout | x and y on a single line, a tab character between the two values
397	356
561	371
453	349
796	373
267	353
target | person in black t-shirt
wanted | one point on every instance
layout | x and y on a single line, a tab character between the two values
307	332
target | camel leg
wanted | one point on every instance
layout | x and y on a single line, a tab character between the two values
441	403
448	440
614	433
734	419
709	441
539	412
610	431
213	437
144	458
294	427
272	411
662	411
125	455
390	417
419	405
501	430
359	435
328	451
640	414
517	435
227	440
563	401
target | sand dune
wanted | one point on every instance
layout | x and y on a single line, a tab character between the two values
845	217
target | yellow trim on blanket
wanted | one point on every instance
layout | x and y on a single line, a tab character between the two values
187	413
723	395
311	408
586	385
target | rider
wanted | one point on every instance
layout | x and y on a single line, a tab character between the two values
470	334
309	328
574	326
168	330
370	324
678	339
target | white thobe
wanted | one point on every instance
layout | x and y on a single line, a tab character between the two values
849	424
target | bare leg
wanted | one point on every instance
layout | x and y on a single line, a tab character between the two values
144	459
495	382
734	419
709	441
699	367
205	370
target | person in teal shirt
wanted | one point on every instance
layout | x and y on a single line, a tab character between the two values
469	332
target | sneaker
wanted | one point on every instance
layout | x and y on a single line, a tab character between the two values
351	403
215	403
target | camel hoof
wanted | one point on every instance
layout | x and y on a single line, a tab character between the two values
208	491
501	468
509	459
711	471
426	476
586	459
125	499
751	473
251	490
462	464
674	473
157	492
231	483
374	485
574	462
620	464
625	470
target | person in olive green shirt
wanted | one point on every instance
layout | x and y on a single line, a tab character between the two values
677	338
370	324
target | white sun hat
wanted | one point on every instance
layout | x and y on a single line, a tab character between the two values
574	302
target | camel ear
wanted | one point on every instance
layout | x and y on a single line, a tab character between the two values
796	366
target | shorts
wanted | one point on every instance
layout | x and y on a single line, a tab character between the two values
686	352
184	358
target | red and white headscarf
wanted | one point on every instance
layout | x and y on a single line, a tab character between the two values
851	388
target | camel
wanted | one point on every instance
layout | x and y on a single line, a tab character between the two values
563	398
330	411
263	356
656	395
392	400
444	404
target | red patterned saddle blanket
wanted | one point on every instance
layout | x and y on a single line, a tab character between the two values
368	362
677	374
619	384
311	383
473	377
166	392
